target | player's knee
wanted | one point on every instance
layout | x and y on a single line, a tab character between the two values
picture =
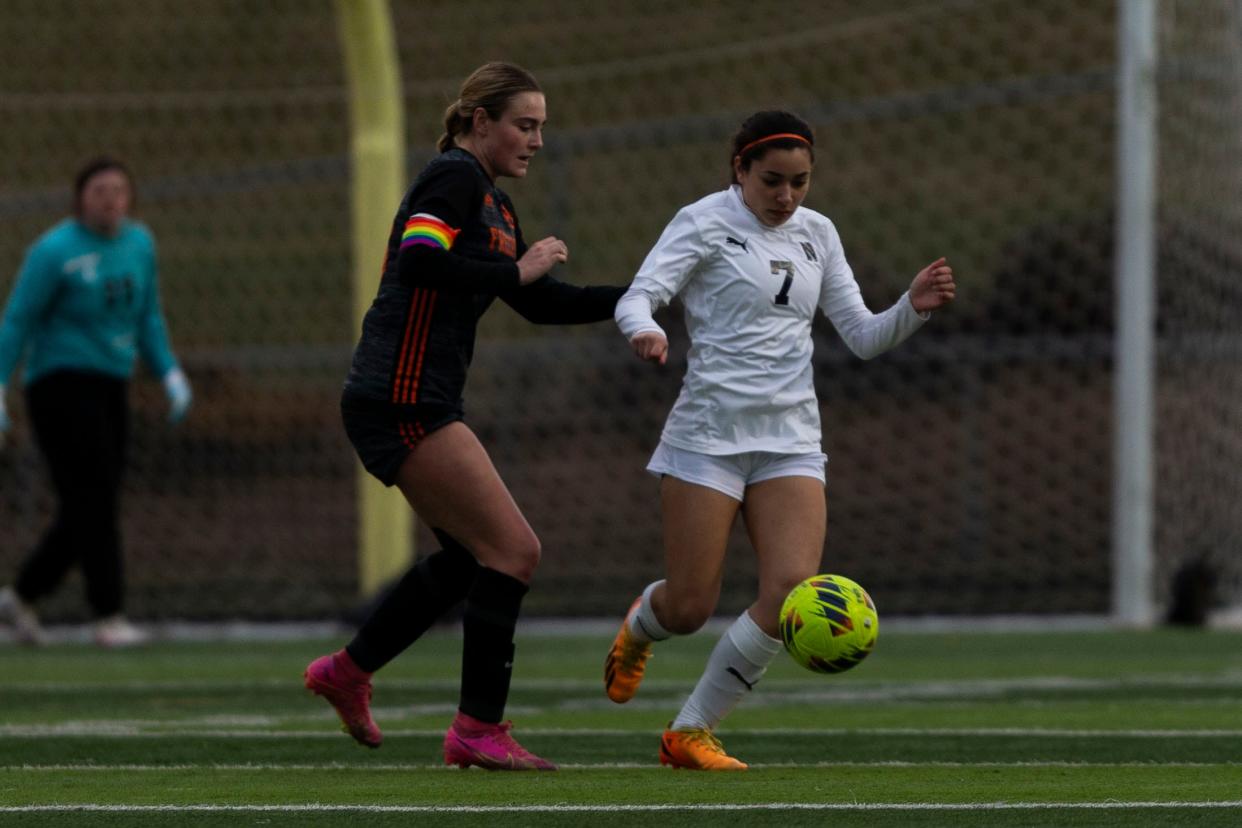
526	557
518	556
774	593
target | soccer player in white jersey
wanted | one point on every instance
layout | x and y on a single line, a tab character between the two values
751	266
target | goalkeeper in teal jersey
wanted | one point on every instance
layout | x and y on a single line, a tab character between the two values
84	305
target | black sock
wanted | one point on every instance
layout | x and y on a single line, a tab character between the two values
426	592
492	609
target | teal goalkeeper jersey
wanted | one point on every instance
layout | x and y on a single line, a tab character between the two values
86	302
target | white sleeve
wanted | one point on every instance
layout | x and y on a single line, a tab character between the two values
867	334
663	274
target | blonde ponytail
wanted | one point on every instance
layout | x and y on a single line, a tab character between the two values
456	123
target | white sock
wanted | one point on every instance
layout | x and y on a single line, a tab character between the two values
643	622
740	659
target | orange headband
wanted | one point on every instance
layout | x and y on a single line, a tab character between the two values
775	137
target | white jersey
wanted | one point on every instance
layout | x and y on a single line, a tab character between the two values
750	292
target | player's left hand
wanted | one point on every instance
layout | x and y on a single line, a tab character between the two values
5	422
541	257
177	388
933	287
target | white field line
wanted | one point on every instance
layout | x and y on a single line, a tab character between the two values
298	723
1229	618
311	807
658	698
413	766
315	714
105	729
864	689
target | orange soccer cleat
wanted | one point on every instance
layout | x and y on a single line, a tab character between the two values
623	669
696	749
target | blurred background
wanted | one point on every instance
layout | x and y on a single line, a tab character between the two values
970	471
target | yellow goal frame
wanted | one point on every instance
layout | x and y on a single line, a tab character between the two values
377	176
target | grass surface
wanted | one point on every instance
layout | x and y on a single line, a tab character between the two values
1091	728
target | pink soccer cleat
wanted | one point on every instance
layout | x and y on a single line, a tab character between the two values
489	746
348	689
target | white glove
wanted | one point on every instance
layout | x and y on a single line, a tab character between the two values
5	422
177	388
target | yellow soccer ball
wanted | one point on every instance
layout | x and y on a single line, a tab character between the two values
829	624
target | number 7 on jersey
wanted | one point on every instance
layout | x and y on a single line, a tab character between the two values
780	266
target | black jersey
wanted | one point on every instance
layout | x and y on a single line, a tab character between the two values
461	244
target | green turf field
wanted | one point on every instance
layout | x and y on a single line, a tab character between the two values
995	729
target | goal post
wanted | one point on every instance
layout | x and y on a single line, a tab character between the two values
1134	343
385	540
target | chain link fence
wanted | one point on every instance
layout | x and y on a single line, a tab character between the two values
969	470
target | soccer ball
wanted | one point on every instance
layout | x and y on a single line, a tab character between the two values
829	624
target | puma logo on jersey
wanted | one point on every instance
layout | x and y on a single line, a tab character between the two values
741	244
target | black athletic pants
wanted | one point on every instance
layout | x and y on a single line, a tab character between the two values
81	423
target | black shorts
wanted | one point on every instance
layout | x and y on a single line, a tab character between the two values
384	433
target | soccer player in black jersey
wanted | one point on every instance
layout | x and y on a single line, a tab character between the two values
456	245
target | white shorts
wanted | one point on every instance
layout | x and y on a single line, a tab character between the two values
732	473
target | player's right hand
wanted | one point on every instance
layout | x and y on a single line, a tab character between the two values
651	346
177	388
540	257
